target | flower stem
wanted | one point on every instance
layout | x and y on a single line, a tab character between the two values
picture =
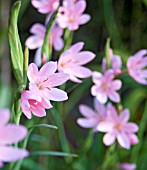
122	72
110	158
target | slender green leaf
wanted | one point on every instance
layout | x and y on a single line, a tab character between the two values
25	65
44	125
53	153
46	49
15	44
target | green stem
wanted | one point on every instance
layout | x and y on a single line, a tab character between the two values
109	158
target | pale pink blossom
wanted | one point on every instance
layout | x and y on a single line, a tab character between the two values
92	118
45	6
117	127
137	66
115	63
127	166
105	87
36	40
44	81
10	134
72	61
31	102
71	14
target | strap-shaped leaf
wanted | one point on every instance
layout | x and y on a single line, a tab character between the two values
45	48
15	44
44	125
53	153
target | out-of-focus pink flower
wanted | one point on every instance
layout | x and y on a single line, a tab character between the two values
72	61
115	63
36	40
127	166
117	127
43	82
71	14
45	6
105	87
31	102
10	134
135	65
92	117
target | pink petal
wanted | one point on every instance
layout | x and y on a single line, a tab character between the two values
100	108
75	79
133	139
102	97
105	126
82	72
114	96
123	140
116	62
84	57
58	44
84	18
124	115
38	111
127	166
12	133
4	116
34	42
77	47
86	123
10	154
32	72
87	111
80	7
48	69
57	79
140	54
57	94
116	84
109	138
37	57
46	103
96	77
38	29
131	127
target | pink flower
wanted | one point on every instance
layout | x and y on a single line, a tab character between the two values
117	127
71	14
31	102
44	81
36	40
10	134
135	65
72	61
127	166
45	6
115	63
92	118
105	87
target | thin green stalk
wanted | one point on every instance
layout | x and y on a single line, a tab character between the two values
61	132
109	158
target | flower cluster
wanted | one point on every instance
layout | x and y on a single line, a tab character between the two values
42	89
10	134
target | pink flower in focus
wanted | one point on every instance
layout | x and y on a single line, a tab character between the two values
115	63
10	134
31	102
44	81
135	65
71	14
127	166
105	87
36	40
117	127
45	6
92	117
72	61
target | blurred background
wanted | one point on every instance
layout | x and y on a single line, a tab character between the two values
125	22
